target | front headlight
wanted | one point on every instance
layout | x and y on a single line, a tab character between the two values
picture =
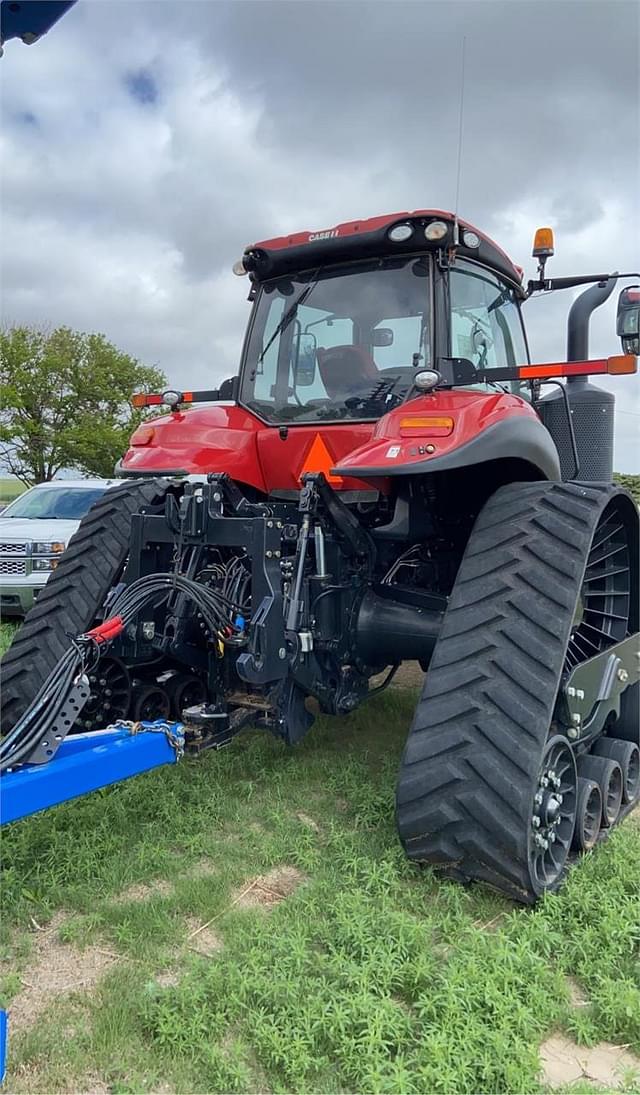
51	547
45	564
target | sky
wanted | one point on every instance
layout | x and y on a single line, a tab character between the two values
146	142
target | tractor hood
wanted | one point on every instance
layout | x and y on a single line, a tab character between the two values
436	432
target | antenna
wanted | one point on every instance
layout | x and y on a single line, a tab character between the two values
456	239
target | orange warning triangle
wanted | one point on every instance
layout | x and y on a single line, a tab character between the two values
320	459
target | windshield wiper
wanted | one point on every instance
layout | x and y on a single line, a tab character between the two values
288	317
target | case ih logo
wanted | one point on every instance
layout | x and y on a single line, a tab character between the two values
330	234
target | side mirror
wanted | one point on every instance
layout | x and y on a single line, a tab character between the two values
382	336
303	360
628	319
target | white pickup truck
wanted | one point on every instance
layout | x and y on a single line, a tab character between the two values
34	531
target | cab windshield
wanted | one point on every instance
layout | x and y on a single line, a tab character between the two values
336	344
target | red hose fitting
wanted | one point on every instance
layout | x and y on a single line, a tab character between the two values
107	630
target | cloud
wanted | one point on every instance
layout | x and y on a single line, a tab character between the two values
145	144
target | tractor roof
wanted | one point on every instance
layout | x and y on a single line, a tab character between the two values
367	238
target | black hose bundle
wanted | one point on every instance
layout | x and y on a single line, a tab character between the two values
32	727
223	615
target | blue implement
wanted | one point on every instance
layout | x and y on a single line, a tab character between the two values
4	1036
85	762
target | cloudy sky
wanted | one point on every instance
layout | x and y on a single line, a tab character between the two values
146	142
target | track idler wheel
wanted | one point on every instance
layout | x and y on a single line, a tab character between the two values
149	702
588	815
608	775
627	754
554	814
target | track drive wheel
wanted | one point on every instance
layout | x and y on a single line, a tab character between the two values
75	592
545	583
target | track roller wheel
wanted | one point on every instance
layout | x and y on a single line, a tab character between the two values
548	580
627	754
588	815
185	691
149	702
608	775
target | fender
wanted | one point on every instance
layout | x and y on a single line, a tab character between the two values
221	437
482	427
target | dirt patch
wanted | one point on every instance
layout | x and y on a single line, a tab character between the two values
563	1062
409	675
167	979
56	969
93	1085
203	939
308	821
577	995
269	889
202	868
142	891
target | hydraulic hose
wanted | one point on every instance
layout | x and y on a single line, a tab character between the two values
215	608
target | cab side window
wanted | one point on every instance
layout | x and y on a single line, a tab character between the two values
486	327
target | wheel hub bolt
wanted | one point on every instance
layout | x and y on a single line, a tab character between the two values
535	821
538	799
552	837
623	675
560	798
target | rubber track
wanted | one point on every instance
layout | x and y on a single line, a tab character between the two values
472	759
74	593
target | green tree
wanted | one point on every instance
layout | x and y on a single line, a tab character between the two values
64	401
631	482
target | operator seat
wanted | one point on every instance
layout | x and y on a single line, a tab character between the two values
346	370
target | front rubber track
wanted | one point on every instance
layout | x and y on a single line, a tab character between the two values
75	592
471	762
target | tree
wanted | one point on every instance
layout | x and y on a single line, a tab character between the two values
64	401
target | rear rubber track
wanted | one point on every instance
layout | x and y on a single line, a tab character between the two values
471	762
75	592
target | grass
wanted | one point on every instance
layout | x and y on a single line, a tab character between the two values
371	976
10	489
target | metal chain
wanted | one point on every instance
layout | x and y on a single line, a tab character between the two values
160	726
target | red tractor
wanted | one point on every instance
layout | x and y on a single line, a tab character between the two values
383	481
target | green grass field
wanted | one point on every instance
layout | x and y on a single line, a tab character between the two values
9	490
328	963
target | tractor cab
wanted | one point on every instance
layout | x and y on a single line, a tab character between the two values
345	319
361	337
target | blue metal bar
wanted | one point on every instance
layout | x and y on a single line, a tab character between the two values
85	762
4	1039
